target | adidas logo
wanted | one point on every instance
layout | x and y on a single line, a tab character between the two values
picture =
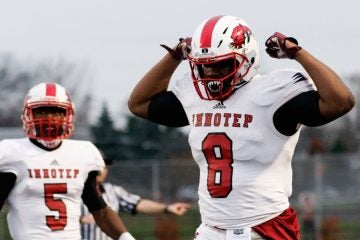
298	77
219	105
54	162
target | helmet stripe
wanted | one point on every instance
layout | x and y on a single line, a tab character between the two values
50	90
206	34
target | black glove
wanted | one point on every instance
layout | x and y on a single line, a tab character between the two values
276	48
181	50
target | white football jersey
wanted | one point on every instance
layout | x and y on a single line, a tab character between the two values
45	201
245	163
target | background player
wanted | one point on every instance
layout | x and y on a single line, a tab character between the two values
243	126
44	177
120	200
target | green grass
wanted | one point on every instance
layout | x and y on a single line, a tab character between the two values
143	226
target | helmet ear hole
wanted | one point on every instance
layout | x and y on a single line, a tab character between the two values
252	60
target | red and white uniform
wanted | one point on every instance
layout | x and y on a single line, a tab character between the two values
45	201
245	163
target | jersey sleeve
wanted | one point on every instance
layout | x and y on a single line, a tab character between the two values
291	84
302	109
6	164
279	88
183	89
96	161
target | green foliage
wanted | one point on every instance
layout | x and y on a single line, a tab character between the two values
105	136
140	139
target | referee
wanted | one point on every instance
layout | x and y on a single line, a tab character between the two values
120	200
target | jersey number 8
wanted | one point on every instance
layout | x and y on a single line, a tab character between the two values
217	148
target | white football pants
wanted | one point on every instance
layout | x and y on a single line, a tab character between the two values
205	232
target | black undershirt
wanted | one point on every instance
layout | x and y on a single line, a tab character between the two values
91	195
7	180
166	109
304	109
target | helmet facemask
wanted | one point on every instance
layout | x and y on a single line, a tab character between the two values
227	41
48	119
216	78
49	122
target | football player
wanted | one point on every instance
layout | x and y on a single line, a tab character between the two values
243	126
45	177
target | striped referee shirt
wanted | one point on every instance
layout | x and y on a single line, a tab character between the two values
119	200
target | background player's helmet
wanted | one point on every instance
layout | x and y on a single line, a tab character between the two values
48	95
223	40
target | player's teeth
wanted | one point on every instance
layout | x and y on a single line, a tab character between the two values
213	86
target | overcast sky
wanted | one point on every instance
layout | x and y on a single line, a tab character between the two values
119	40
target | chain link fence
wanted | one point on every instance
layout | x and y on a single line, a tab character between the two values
330	181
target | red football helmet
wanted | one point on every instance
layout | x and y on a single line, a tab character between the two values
48	114
226	44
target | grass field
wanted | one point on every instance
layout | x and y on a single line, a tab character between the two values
343	221
143	226
147	227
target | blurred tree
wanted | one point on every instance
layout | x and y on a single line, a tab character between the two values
140	139
143	138
17	78
105	136
149	140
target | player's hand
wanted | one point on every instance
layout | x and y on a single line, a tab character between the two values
178	208
280	46
181	50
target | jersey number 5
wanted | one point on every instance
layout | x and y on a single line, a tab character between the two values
55	204
217	148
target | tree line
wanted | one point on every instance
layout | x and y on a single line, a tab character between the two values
141	139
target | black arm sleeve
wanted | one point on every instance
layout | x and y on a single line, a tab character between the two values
302	109
91	195
166	109
7	181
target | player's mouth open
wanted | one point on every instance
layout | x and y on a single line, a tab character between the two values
214	86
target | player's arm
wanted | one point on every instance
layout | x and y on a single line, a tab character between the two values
111	224
7	180
153	82
151	101
335	99
108	220
156	80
